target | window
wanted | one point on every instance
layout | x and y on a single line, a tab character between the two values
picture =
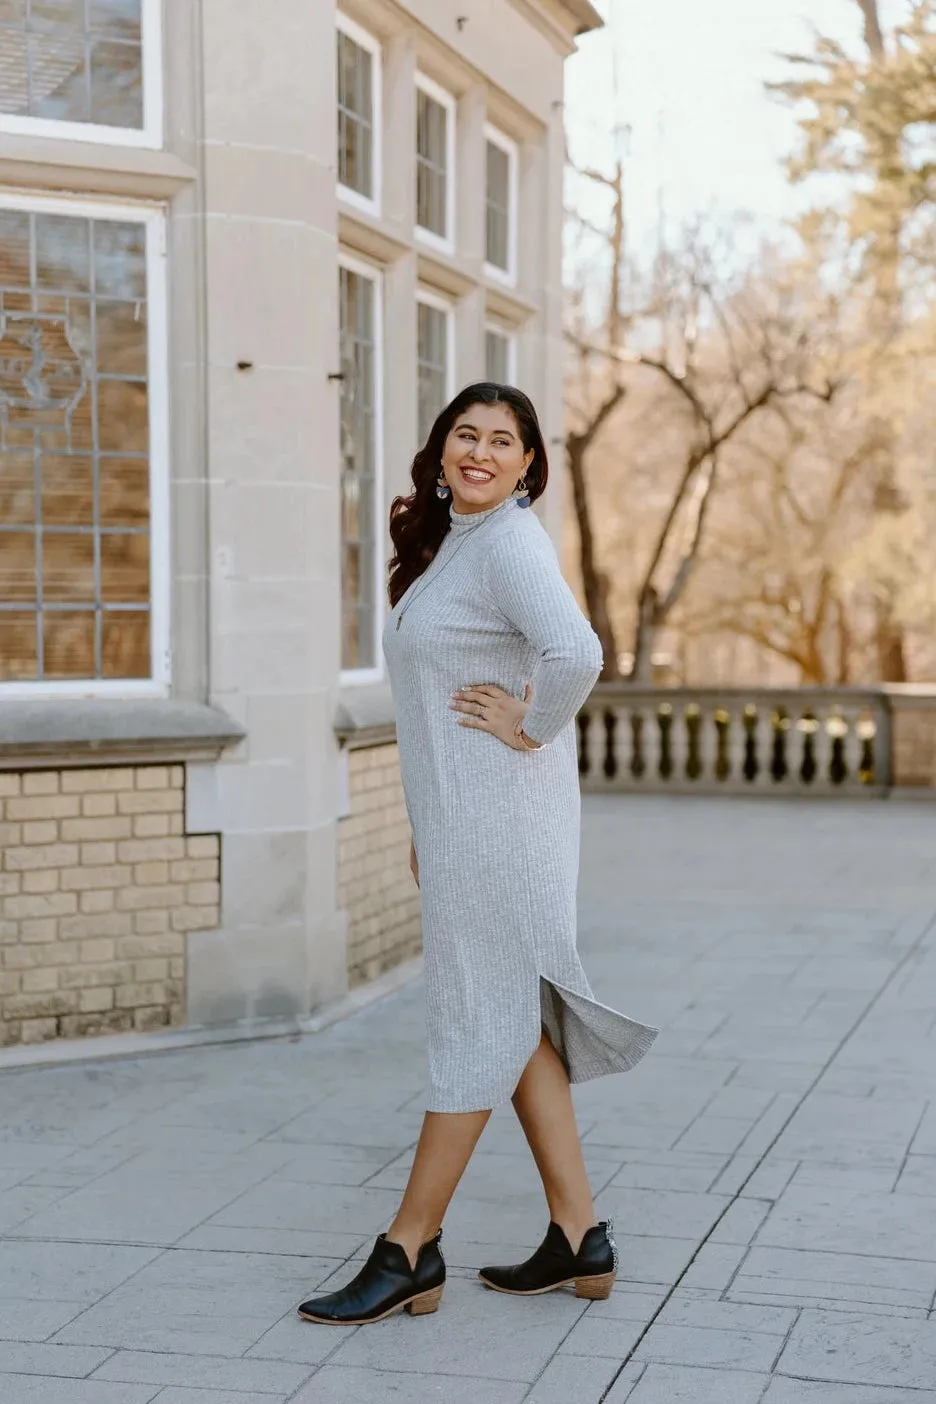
358	114
85	69
499	356
435	161
83	478
433	361
361	517
501	205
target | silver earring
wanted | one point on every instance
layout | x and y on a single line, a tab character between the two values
521	493
442	488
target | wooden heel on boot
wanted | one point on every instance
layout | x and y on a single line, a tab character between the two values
596	1289
425	1304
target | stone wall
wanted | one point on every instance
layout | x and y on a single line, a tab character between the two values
374	881
913	737
99	885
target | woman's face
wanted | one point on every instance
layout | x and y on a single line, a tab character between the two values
483	458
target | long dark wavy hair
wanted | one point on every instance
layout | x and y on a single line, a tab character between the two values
420	522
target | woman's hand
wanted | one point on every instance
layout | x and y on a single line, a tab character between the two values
414	861
490	708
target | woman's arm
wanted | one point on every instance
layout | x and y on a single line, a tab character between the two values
523	577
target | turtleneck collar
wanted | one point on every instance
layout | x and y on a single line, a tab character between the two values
464	521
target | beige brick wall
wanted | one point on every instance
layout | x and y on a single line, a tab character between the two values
98	886
374	881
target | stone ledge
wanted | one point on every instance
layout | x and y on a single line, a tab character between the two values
91	168
53	732
365	716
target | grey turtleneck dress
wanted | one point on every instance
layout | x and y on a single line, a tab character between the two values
496	830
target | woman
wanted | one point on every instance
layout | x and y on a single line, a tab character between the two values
490	660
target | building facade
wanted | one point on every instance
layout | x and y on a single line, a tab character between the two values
246	253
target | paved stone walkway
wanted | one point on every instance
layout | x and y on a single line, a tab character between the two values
771	1167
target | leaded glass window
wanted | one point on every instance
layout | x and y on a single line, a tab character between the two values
73	61
74	448
360	525
432	360
432	163
355	116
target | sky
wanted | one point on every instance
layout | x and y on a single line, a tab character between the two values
705	136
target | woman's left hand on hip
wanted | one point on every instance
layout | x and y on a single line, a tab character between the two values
489	708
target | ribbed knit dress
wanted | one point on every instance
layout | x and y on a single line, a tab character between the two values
496	829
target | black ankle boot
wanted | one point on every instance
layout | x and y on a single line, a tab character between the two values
385	1284
593	1268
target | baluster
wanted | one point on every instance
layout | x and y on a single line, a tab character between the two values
652	746
860	748
623	741
679	742
721	722
804	758
822	740
737	737
708	744
875	733
763	745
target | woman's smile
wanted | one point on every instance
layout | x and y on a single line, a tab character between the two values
473	474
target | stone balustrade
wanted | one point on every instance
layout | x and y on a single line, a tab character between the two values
817	741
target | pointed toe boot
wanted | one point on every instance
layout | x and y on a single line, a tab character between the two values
386	1284
592	1269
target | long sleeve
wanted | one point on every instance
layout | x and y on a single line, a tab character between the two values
526	584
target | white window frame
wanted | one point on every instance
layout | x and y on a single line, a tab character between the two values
443	244
511	339
356	676
508	276
150	135
157	352
441	304
369	204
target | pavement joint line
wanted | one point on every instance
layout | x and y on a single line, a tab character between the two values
926	920
909	1150
776	1360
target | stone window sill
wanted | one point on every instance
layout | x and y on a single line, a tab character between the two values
92	168
98	731
365	716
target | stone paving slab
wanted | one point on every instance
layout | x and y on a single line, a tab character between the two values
771	1167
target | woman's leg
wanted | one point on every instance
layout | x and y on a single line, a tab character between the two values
445	1145
543	1103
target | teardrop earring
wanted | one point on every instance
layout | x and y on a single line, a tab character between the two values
442	488
521	493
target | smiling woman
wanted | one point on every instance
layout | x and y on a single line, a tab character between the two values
490	428
484	625
484	459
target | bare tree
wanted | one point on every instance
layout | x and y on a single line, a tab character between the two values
600	390
724	355
857	115
777	564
